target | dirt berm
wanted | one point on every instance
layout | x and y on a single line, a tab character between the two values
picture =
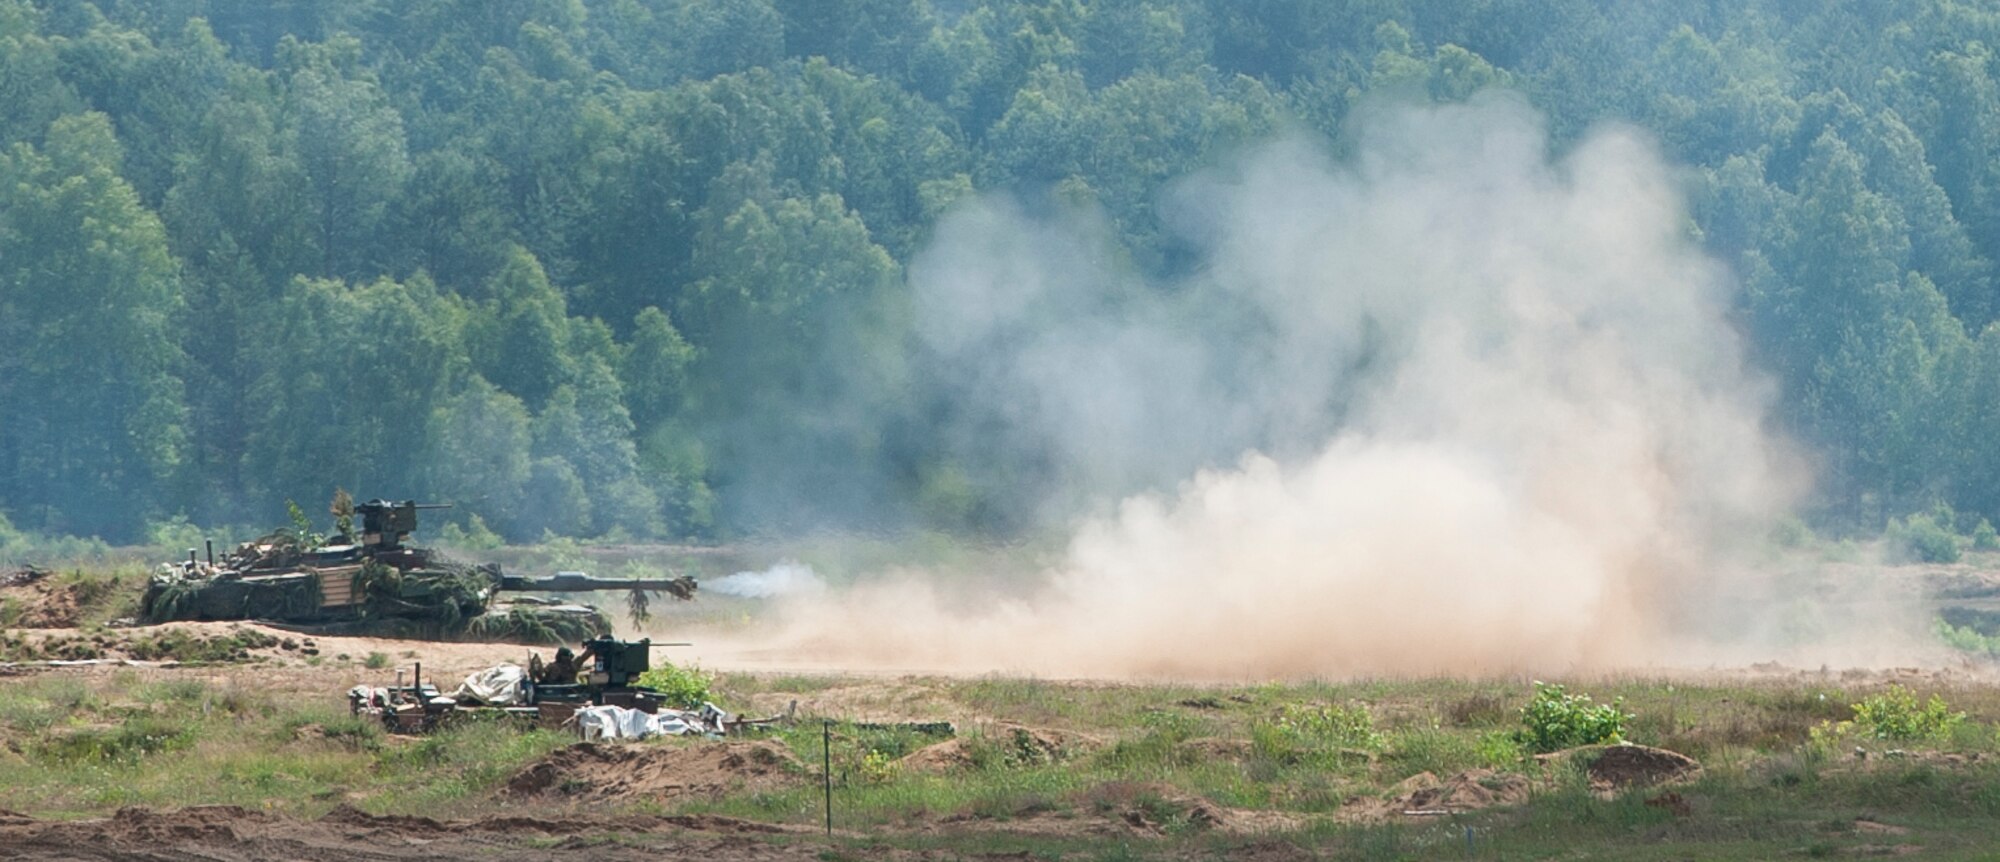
667	771
231	833
1617	767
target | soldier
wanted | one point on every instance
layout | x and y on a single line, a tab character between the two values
562	671
567	666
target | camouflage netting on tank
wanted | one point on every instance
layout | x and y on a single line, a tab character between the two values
533	626
444	592
273	597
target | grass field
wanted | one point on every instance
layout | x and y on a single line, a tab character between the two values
1043	764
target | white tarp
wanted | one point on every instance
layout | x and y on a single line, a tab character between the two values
499	685
616	722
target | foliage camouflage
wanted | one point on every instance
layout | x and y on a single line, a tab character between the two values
394	591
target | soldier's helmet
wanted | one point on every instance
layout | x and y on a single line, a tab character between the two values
564	654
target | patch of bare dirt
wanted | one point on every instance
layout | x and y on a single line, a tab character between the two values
1617	767
38	602
593	772
1426	795
944	756
1123	810
224	832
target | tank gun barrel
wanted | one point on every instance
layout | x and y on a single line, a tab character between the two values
577	582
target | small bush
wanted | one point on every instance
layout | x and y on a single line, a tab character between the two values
1894	715
681	687
1984	537
474	536
376	661
1967	639
1555	720
1920	538
1790	532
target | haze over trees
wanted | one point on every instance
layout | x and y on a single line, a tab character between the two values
636	267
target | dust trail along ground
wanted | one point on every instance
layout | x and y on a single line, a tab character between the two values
1534	442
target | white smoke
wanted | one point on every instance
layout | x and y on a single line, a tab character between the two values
1450	403
788	578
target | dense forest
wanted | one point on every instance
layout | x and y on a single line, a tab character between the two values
638	267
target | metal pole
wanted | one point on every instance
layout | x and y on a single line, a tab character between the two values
826	769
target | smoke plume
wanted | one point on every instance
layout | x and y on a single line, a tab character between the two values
789	578
1447	402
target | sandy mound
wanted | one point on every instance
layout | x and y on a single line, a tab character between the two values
941	757
1012	744
661	771
1616	767
1467	791
1158	808
1426	795
37	602
197	823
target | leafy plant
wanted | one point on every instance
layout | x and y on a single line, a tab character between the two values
1984	537
683	687
1894	715
1555	719
1967	639
1921	538
301	530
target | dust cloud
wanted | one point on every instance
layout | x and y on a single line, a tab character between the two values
1447	402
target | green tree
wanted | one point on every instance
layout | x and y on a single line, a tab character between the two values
95	423
479	456
346	381
350	147
519	337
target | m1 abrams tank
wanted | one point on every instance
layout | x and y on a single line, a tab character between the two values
381	587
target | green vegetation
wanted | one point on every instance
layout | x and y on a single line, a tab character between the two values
1554	720
1894	715
524	256
1772	786
685	686
1921	538
1317	734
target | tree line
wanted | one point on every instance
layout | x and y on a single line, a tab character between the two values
635	267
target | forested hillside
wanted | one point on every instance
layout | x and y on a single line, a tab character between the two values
637	267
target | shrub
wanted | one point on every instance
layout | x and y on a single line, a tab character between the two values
1920	538
376	661
1790	532
1555	719
1966	639
1894	715
681	687
1984	537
